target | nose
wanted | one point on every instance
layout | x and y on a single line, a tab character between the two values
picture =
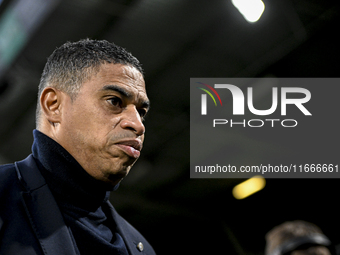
133	121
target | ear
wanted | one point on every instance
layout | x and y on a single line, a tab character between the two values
50	103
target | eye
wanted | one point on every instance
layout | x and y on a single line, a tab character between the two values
115	101
142	113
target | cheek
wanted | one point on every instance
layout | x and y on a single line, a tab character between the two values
94	128
90	126
79	125
82	117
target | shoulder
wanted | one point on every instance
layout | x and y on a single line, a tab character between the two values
10	192
6	169
15	227
10	188
8	177
12	182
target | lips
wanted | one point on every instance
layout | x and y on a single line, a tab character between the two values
131	147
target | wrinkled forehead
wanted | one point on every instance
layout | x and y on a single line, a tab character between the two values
124	79
131	77
114	74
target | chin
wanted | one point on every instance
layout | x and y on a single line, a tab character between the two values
115	179
118	174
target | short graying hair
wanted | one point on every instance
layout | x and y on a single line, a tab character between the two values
73	63
291	230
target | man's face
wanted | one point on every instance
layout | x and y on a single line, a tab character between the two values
102	127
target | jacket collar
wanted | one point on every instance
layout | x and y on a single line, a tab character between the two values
69	182
41	208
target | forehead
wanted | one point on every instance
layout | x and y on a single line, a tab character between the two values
119	75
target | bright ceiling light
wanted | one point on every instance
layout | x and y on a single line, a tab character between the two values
250	9
249	187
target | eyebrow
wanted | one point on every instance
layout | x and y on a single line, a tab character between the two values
120	90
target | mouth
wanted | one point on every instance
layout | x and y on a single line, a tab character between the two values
131	147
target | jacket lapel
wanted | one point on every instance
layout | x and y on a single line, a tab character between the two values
42	210
129	234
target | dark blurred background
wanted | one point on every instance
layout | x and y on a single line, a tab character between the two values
176	40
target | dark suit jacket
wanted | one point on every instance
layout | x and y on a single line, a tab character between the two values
31	222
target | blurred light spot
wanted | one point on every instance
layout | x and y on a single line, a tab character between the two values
250	9
249	187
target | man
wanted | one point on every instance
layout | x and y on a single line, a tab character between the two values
298	238
92	101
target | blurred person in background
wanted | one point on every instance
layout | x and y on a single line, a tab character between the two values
89	133
298	238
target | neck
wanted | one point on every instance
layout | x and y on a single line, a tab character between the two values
65	177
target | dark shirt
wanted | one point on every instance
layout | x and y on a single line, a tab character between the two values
83	200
